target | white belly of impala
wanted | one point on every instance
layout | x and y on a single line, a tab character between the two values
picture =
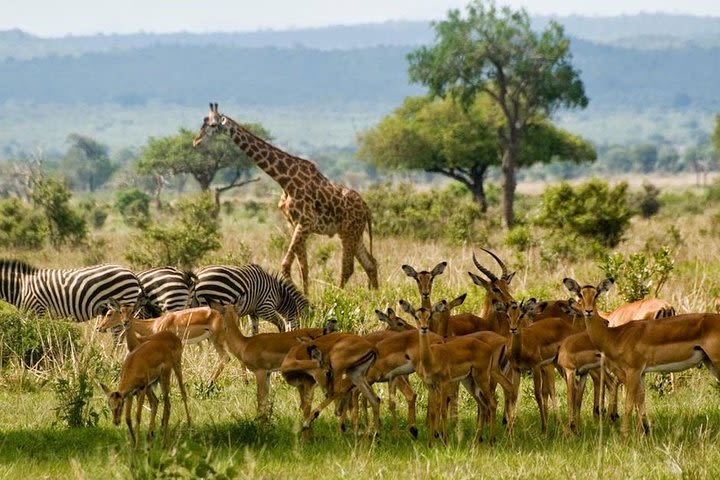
697	357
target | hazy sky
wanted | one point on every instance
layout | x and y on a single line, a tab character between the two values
82	17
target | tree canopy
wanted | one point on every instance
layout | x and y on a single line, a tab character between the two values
438	136
87	162
175	155
495	52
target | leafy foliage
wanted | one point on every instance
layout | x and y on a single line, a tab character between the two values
183	242
184	460
87	162
134	207
592	211
636	273
29	340
495	52
449	214
20	226
64	224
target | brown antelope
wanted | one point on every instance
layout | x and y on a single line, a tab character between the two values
496	290
662	345
264	353
327	359
578	357
192	325
465	360
425	280
148	364
533	346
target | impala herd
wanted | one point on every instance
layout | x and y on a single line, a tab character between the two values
445	350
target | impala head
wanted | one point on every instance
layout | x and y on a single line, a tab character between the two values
392	321
115	402
330	325
441	311
424	278
587	295
211	124
497	288
518	314
115	316
421	315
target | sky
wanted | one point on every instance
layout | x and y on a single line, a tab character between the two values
55	18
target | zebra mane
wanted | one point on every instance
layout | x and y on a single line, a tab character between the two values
17	265
291	293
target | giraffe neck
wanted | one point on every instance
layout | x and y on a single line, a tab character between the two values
280	165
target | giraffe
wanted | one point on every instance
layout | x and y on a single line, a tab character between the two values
310	202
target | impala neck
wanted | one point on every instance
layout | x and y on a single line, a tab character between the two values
598	331
424	353
516	343
236	341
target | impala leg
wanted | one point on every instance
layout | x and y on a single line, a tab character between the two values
572	391
165	387
128	420
262	378
537	383
632	381
153	400
406	389
177	368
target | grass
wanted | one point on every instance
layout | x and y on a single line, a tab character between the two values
227	438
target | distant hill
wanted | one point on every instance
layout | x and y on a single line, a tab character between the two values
321	86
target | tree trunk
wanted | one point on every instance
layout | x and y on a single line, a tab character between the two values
478	191
509	182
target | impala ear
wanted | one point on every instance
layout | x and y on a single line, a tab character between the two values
458	301
381	316
407	308
105	390
571	285
440	306
390	312
499	306
605	285
478	281
439	268
509	277
409	271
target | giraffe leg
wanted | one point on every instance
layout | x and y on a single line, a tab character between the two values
368	263
297	248
349	246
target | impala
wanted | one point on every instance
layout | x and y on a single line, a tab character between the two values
264	353
531	348
192	325
149	363
327	359
662	345
465	360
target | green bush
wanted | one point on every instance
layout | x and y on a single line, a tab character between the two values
134	207
64	224
95	214
20	226
450	214
648	202
184	242
34	341
593	211
637	274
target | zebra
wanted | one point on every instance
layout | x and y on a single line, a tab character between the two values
166	289
80	293
254	292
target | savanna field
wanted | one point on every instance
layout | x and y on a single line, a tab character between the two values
38	405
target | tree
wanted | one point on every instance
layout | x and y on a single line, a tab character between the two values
87	162
715	137
64	224
438	136
175	155
528	75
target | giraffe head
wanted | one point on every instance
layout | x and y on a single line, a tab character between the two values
211	125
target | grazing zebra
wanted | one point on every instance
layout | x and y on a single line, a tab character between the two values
80	293
254	292
166	289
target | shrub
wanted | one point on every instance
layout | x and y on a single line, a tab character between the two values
134	207
193	233
648	202
636	274
34	341
20	227
64	224
74	391
95	214
593	211
449	214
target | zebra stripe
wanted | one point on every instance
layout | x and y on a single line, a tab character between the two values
80	293
254	292
166	289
